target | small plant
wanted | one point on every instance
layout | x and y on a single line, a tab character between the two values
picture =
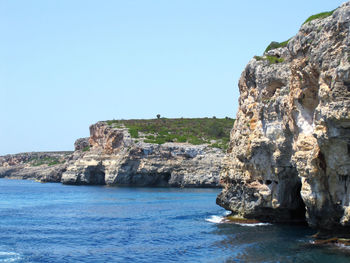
274	45
54	162
270	59
134	133
181	139
274	59
86	149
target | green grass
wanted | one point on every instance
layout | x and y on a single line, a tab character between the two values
319	16
270	59
274	45
86	149
134	132
191	130
274	59
36	161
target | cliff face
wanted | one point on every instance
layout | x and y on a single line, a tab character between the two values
289	153
114	158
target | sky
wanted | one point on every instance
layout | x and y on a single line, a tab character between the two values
66	64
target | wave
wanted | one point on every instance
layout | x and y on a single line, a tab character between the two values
254	224
215	219
222	219
342	246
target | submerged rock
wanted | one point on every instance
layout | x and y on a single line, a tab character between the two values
289	154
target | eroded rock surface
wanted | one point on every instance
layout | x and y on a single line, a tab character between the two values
41	166
290	146
114	158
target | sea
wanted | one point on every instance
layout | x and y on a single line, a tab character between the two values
51	222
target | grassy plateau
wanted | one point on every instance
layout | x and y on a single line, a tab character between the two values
212	131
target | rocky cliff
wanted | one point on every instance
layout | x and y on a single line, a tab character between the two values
42	166
114	158
289	153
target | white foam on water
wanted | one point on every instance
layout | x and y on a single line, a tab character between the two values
215	219
254	224
342	246
221	219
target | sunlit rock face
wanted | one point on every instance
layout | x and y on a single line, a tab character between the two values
114	158
289	152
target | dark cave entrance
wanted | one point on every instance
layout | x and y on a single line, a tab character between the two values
96	175
292	209
298	215
162	179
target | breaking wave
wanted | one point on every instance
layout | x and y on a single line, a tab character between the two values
221	219
215	219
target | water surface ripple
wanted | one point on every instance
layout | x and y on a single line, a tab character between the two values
60	223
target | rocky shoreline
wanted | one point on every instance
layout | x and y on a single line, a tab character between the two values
110	156
41	166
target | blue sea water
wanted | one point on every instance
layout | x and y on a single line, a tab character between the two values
59	223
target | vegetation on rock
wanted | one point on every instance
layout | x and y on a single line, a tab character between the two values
319	16
86	149
270	59
37	161
212	131
274	45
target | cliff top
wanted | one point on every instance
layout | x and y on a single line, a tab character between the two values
275	44
213	131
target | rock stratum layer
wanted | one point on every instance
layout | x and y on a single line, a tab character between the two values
114	158
289	152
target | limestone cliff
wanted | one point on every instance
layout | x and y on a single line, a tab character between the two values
111	156
289	153
41	166
114	158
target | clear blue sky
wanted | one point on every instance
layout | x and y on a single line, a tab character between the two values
65	64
